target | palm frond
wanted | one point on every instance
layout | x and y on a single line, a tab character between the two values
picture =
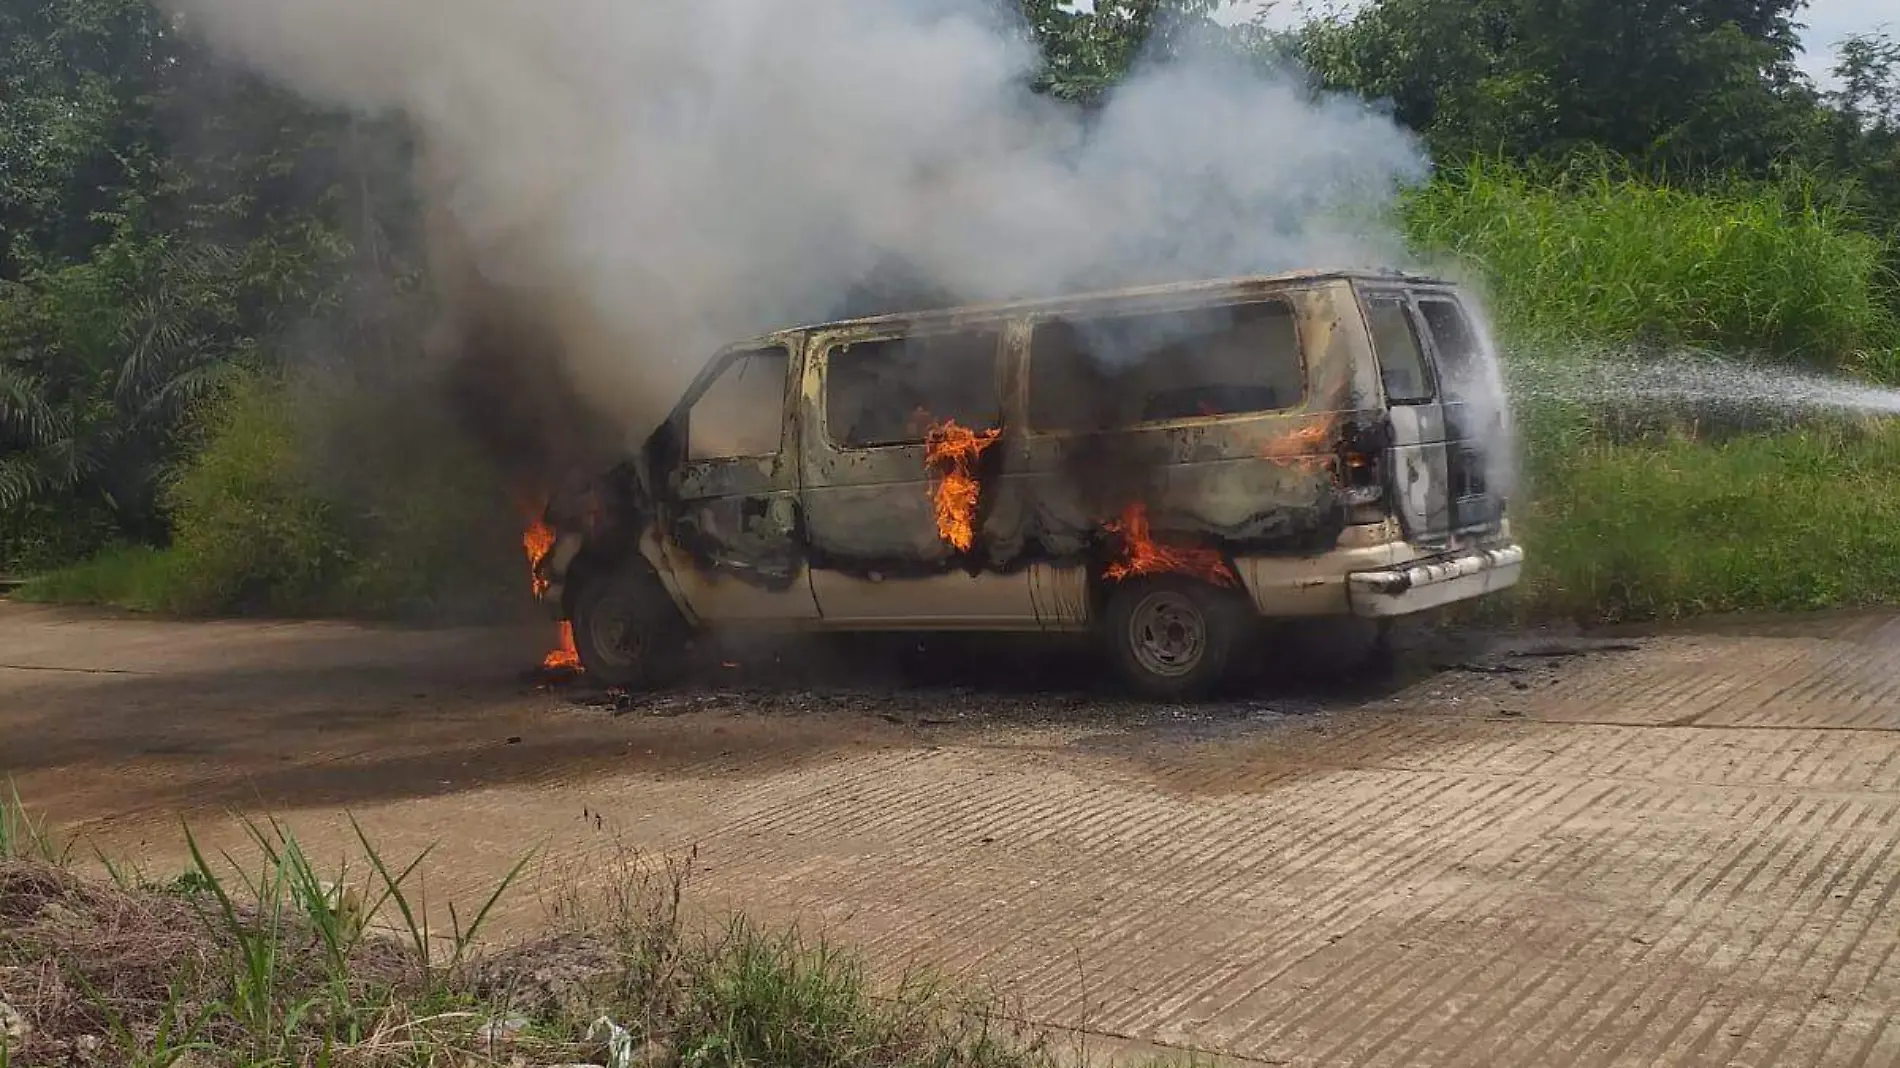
21	478
25	415
191	385
171	329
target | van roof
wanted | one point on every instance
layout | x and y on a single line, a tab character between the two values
1017	307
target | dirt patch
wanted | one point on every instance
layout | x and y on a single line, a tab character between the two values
97	973
205	973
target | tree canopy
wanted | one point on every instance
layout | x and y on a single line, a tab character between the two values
1699	84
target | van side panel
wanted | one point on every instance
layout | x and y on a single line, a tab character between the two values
878	555
1252	481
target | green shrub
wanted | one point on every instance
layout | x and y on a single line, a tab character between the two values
37	535
248	532
305	501
1586	254
433	529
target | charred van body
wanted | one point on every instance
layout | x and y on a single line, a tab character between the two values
1169	465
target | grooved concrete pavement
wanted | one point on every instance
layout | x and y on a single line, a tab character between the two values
1685	851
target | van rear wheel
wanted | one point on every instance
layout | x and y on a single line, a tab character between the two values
626	629
1173	638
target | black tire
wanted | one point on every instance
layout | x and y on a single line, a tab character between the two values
627	630
1173	639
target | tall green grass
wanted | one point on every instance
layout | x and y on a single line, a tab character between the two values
1800	519
1589	254
1589	261
137	577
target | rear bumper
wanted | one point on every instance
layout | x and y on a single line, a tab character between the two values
1428	584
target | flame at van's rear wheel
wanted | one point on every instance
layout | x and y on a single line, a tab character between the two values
1143	555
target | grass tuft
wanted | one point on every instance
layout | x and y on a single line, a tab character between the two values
24	836
136	577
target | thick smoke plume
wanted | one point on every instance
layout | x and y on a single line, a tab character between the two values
656	178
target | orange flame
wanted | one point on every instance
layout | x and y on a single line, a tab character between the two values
950	452
1143	555
538	541
1301	448
565	657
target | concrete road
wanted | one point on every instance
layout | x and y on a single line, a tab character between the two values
1679	850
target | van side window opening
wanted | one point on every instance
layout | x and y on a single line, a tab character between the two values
1401	356
891	392
742	414
1094	374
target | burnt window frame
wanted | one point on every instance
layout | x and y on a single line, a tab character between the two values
1473	333
1407	300
997	329
1286	298
681	422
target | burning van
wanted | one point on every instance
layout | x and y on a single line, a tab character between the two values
1172	468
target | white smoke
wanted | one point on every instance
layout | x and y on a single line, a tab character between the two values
673	175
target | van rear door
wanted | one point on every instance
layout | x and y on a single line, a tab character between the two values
1419	469
1471	395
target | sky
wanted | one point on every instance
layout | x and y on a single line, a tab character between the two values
1827	22
1830	20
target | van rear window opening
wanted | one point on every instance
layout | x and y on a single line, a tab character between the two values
1093	374
1460	354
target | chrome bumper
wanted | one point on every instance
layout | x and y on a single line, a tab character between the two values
1403	590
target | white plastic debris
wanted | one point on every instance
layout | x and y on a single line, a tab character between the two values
502	1030
617	1041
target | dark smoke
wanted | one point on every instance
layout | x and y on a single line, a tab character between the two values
636	184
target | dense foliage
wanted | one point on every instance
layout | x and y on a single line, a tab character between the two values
1587	254
179	239
166	222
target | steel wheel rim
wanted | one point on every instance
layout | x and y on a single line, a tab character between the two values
1167	633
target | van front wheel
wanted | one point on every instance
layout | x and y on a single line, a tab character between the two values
1173	638
626	629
